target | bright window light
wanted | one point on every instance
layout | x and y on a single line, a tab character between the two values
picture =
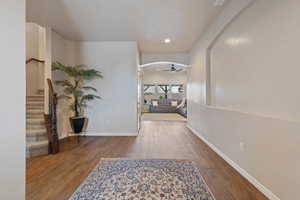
167	40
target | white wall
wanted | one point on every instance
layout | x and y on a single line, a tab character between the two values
259	51
32	41
162	77
37	11
12	106
116	113
35	48
254	93
182	57
63	51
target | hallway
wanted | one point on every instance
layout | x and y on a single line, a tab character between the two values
56	177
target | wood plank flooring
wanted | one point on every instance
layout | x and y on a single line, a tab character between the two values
56	177
162	117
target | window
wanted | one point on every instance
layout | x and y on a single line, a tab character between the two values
149	89
163	89
176	89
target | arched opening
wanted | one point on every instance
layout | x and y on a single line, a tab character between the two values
163	91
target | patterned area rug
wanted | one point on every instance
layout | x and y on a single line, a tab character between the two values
121	179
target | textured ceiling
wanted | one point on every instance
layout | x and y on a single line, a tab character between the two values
147	21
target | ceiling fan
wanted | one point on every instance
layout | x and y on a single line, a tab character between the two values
173	69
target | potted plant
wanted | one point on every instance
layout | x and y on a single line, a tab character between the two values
76	91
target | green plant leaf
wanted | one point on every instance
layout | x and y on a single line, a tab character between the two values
74	86
72	107
89	88
64	97
74	92
89	97
64	83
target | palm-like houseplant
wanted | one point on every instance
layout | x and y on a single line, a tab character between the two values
76	90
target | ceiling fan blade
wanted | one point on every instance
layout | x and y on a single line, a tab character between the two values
179	70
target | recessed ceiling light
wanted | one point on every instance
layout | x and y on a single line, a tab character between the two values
167	40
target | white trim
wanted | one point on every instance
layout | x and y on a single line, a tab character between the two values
104	134
249	113
163	63
268	193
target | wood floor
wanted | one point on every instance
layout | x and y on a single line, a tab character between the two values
162	117
57	177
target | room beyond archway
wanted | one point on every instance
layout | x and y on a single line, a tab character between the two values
164	91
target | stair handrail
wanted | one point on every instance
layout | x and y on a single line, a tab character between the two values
34	59
51	120
51	88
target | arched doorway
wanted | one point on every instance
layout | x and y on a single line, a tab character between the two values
163	91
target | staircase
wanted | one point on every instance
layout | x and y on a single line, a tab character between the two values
36	134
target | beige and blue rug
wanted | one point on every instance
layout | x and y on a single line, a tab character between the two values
121	179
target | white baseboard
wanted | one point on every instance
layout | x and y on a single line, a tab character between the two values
243	172
63	137
104	134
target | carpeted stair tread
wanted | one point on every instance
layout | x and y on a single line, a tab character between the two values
34	111
36	132
35	96
38	121
36	148
36	103
32	145
28	109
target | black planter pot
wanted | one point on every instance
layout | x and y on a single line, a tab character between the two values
77	124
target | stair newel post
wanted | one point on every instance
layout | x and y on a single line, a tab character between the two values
55	144
51	120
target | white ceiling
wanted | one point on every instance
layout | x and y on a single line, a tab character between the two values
147	21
